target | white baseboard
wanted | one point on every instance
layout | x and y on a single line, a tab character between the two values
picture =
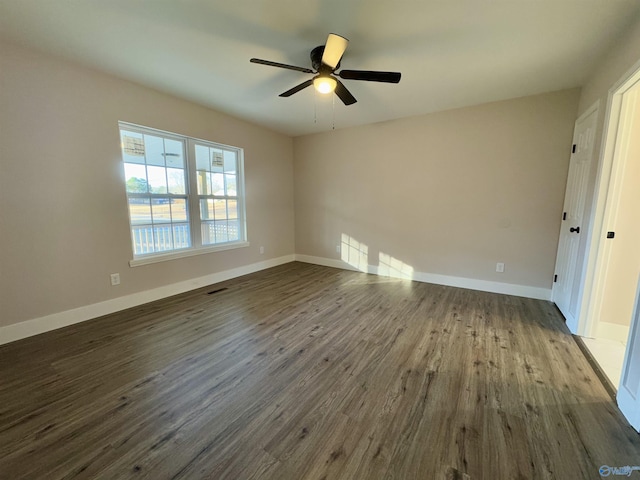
612	331
36	326
461	282
28	328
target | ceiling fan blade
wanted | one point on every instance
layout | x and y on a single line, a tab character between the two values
344	94
334	49
297	88
281	65
370	76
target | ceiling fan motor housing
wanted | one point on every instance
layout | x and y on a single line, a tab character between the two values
316	61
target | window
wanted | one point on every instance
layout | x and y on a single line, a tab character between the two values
168	177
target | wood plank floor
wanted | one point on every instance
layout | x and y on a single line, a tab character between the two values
308	372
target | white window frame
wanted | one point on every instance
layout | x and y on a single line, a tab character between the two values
193	199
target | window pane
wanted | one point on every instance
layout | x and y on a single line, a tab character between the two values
220	209
217	187
163	238
221	231
234	230
142	240
175	176
173	155
217	160
204	183
232	209
202	158
132	147
179	209
157	177
161	208
154	150
230	164
230	180
181	236
136	177
206	208
139	211
208	234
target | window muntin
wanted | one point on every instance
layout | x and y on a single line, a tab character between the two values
161	170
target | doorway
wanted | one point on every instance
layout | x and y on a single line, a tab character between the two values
611	290
621	255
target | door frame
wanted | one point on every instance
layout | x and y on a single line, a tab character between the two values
629	401
608	182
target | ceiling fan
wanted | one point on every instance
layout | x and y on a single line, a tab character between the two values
325	60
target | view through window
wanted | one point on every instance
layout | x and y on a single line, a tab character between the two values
167	178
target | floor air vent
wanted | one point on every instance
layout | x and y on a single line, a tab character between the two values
216	291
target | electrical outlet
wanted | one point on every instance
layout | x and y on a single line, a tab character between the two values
261	250
337	248
500	267
115	279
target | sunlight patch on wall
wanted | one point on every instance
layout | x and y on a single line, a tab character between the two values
354	253
392	267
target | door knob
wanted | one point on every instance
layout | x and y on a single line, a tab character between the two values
577	229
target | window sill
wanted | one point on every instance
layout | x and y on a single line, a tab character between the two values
163	257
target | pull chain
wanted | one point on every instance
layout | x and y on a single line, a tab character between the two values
315	106
333	119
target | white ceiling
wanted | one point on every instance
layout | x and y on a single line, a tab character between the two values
451	53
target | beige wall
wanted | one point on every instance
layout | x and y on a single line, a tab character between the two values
449	193
63	217
618	61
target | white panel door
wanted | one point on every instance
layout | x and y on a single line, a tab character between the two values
566	286
629	389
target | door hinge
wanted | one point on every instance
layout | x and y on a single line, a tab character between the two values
573	149
555	278
564	215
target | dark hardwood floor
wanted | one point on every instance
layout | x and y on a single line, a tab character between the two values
307	372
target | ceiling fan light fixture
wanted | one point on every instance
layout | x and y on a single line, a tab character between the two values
324	84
